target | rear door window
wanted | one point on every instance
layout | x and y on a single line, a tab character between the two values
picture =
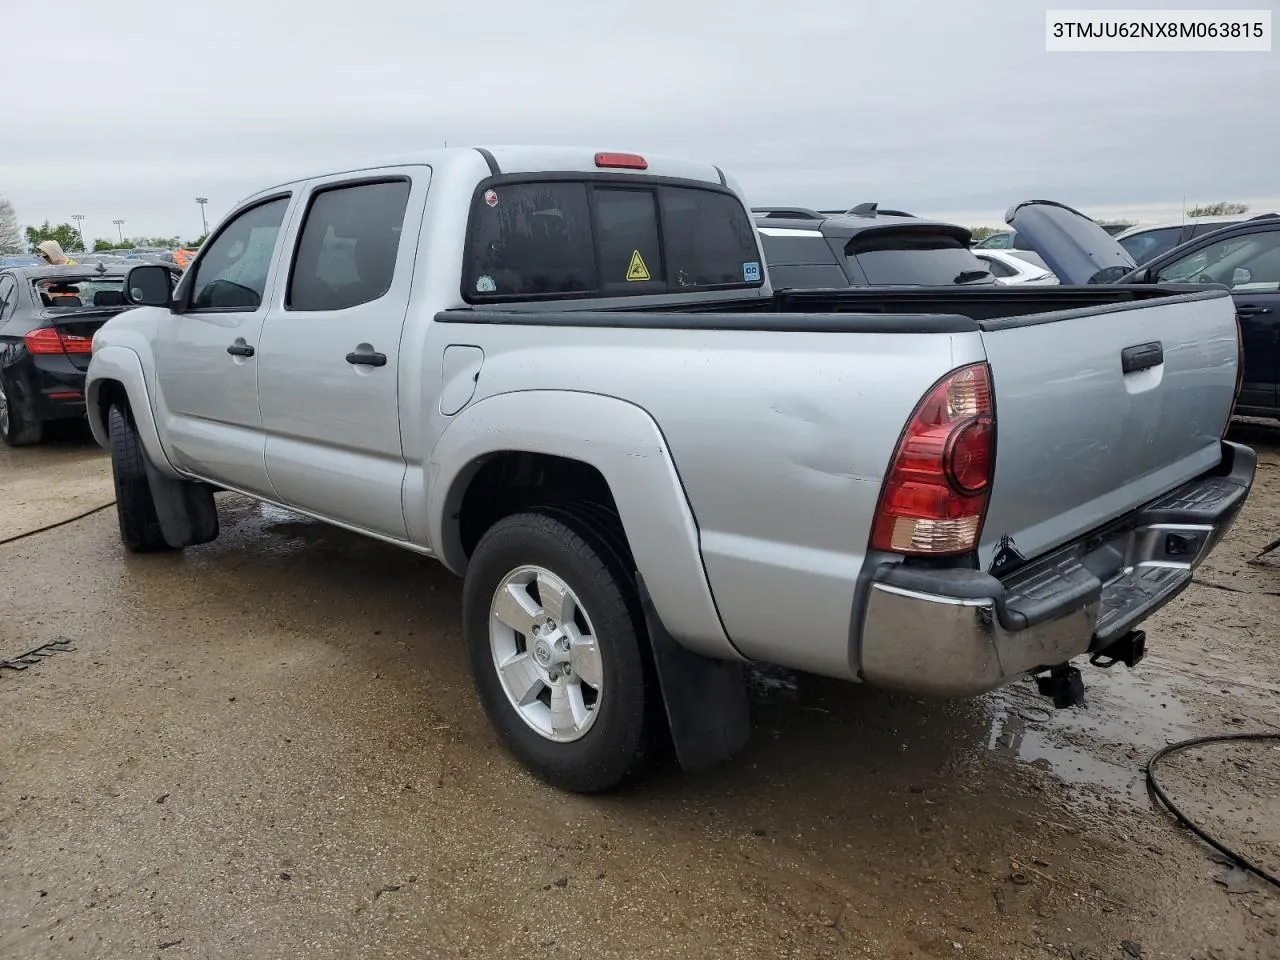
553	239
346	252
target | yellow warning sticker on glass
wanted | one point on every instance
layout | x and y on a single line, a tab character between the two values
637	270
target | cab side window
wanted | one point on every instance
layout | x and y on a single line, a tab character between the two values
232	273
348	245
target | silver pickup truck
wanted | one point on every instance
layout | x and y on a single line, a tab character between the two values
565	375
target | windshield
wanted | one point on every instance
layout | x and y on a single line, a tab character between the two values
77	294
916	258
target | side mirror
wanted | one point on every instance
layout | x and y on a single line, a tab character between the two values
1240	276
149	286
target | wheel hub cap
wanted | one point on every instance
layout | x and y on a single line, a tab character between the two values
544	650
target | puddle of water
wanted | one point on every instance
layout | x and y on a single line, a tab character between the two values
270	513
1102	747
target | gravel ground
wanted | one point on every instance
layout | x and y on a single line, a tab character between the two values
268	747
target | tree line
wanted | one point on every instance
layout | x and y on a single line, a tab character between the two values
16	239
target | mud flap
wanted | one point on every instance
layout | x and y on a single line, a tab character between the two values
705	699
185	509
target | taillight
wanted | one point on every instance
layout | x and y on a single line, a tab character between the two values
50	340
935	493
626	161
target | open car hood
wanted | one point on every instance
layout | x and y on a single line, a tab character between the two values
1073	246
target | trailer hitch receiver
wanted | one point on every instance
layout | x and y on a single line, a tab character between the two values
1129	650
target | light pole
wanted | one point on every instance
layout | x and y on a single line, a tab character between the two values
203	222
79	219
119	230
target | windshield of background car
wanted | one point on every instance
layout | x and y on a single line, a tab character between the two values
76	294
606	238
916	258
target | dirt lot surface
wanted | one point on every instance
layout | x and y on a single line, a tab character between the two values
268	747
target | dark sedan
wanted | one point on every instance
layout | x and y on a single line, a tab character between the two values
1245	257
48	316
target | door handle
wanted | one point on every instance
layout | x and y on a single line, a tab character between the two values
1251	309
240	348
1142	356
368	359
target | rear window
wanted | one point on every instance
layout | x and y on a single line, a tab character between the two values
556	239
75	294
916	257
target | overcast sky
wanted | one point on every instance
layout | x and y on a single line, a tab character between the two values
132	109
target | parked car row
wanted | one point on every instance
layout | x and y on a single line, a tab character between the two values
808	249
658	440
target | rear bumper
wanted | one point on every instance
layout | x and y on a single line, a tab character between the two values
962	632
52	387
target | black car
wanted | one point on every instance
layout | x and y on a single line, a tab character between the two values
1246	258
865	246
48	316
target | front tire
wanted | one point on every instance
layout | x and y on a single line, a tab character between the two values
135	508
555	636
16	428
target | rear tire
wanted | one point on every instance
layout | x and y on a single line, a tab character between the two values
608	745
16	429
135	509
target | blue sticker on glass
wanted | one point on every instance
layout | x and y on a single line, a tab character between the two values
751	271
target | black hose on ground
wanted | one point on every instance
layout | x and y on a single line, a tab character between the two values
54	526
1154	782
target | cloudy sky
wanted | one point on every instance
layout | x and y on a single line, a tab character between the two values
131	110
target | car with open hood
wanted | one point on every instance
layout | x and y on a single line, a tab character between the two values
1244	257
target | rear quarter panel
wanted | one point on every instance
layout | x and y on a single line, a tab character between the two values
780	440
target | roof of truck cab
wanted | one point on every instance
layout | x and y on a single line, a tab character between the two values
521	159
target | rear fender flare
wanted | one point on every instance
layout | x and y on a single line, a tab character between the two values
622	441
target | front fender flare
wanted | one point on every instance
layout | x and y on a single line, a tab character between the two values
124	366
622	441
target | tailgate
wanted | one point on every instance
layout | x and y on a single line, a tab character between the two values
1080	441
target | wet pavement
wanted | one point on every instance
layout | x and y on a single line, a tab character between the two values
268	747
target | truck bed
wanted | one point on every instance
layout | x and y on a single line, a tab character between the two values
847	310
782	414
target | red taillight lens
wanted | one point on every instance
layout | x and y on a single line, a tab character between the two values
43	341
935	492
627	161
49	340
